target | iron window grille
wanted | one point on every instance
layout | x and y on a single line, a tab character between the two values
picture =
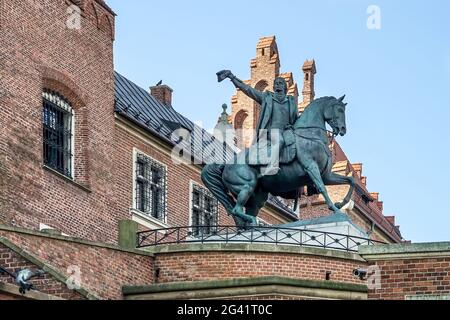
150	187
57	119
204	212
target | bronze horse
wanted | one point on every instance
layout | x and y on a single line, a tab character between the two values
243	191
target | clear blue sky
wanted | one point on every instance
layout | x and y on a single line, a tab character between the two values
396	79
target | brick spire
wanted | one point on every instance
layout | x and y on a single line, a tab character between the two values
309	69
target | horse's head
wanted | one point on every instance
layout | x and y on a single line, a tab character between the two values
334	114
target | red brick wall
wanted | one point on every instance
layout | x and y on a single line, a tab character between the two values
6	296
412	277
313	207
103	270
271	218
38	50
198	266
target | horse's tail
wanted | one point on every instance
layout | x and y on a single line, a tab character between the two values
212	178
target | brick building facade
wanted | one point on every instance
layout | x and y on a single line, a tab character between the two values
77	65
39	51
84	153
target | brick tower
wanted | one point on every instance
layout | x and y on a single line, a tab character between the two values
56	77
265	67
309	70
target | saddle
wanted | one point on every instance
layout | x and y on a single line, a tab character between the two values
289	150
252	156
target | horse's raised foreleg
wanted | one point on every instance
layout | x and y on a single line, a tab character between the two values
312	169
241	200
331	178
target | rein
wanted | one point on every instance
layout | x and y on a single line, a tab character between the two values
332	134
329	131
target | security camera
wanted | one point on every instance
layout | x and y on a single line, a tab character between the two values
361	273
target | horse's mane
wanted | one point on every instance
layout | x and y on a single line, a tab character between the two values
319	101
316	103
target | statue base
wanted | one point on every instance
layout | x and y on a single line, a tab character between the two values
334	223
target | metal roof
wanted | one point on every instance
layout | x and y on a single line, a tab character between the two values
138	105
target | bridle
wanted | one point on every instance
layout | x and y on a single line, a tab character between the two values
328	131
333	135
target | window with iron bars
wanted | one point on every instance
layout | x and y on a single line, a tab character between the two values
204	212
150	187
57	116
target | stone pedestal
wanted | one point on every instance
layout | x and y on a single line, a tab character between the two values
335	223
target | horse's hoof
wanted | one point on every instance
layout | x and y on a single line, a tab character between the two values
339	205
237	212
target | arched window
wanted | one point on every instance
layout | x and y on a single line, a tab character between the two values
239	120
57	119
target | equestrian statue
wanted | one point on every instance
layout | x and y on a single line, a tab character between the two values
288	153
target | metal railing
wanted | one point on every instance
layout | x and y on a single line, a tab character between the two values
262	234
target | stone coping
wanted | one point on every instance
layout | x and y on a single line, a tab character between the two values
46	267
74	240
253	247
406	250
243	282
30	295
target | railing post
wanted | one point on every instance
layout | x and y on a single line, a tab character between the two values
301	237
226	234
128	230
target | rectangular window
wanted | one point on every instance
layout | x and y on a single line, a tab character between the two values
150	187
204	212
57	133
